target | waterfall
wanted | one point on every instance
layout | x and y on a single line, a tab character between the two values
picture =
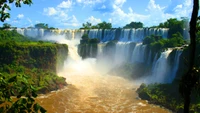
109	34
122	53
124	35
149	58
20	31
104	35
161	68
176	65
138	53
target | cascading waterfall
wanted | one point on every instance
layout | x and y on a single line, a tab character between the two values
149	58
92	91
160	70
134	35
175	66
123	52
138	53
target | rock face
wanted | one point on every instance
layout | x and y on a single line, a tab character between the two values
42	56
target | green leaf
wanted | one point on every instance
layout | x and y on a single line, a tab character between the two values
36	107
34	94
2	110
29	105
12	79
19	96
43	110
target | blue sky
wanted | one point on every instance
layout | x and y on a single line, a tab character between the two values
71	14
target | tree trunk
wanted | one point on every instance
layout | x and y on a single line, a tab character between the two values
189	82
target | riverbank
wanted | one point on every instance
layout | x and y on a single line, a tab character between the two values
168	96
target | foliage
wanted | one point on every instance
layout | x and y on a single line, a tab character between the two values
4	5
41	26
87	25
174	25
166	95
18	86
88	47
151	39
85	37
134	25
6	26
6	35
157	43
35	59
102	25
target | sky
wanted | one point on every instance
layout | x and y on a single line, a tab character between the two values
71	14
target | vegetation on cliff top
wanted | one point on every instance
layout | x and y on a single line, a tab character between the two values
26	68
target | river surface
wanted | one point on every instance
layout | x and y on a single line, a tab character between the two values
97	94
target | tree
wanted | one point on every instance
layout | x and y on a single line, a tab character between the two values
191	78
87	25
18	86
174	25
85	37
4	6
134	25
6	26
41	26
104	25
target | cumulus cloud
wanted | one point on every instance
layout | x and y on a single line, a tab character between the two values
120	18
60	14
155	13
50	11
71	21
119	2
93	20
173	4
89	2
65	4
17	19
103	6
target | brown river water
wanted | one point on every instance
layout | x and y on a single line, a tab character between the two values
97	94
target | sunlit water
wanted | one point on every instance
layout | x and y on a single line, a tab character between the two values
97	94
93	91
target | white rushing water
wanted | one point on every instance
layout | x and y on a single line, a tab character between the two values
124	35
123	52
161	68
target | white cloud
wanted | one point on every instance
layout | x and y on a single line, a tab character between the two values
155	13
119	2
120	18
65	4
50	11
20	16
37	22
184	9
89	2
60	14
93	20
130	10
